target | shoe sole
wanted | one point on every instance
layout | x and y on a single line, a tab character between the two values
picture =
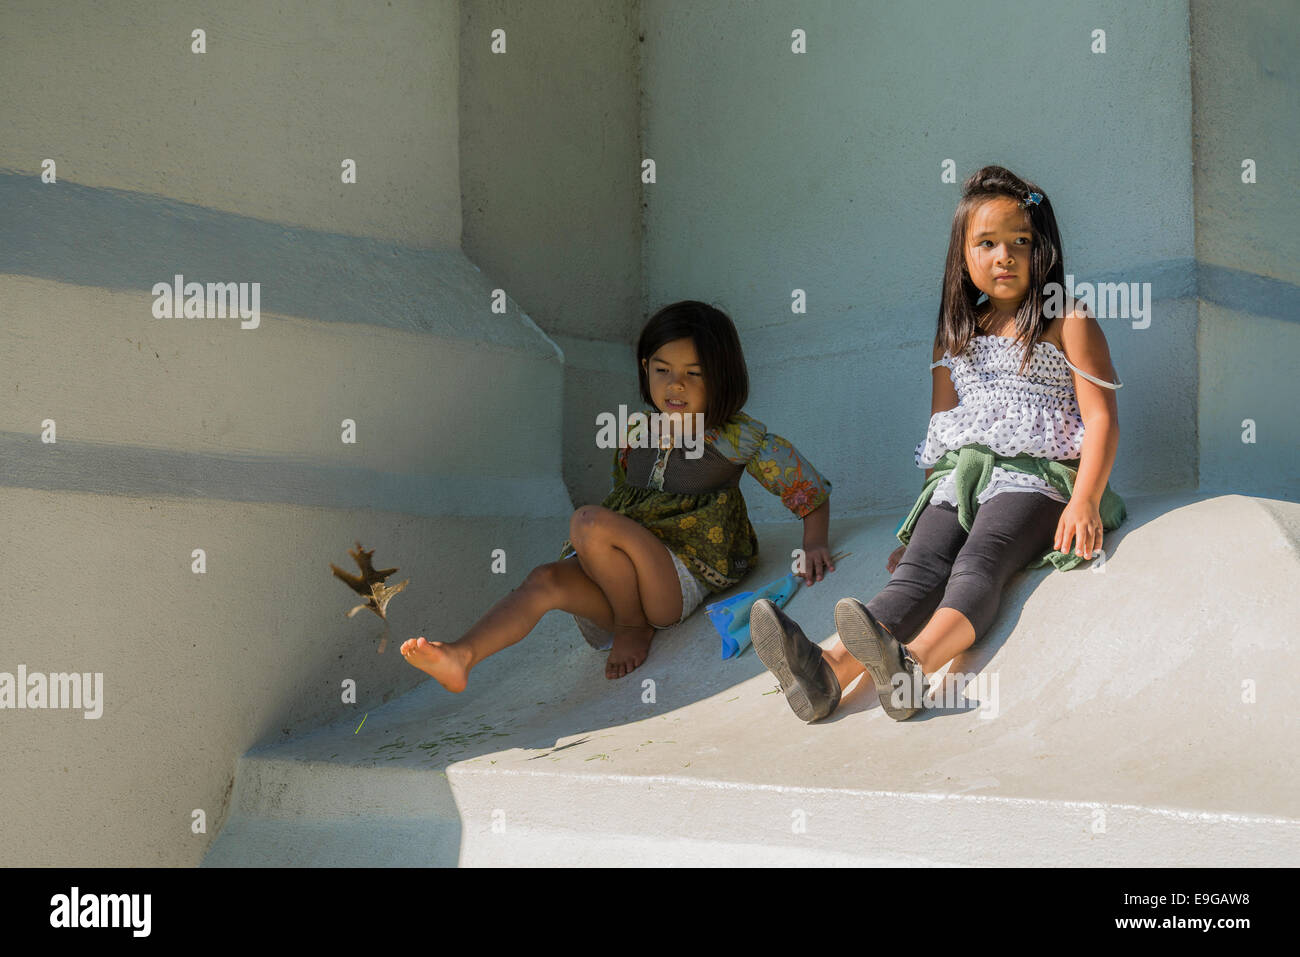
863	642
768	639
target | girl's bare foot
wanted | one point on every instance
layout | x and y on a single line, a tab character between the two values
449	664
631	646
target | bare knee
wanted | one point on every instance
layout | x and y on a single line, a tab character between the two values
588	524
546	582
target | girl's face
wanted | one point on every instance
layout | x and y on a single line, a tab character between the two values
998	240
676	378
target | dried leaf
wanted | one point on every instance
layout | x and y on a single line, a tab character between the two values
369	583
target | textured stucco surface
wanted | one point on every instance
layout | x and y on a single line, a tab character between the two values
520	172
550	160
1245	82
1164	720
821	172
180	434
261	123
1245	74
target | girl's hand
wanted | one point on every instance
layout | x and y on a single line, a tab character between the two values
894	558
1080	523
816	563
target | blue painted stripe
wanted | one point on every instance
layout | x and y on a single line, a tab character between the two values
116	239
1248	292
100	469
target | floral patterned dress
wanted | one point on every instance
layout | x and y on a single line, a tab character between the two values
694	506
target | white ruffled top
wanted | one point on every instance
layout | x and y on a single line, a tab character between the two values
1012	413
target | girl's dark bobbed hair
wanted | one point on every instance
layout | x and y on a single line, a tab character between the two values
957	312
726	380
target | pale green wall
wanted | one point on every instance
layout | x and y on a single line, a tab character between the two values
1245	84
550	164
260	123
177	434
521	172
821	171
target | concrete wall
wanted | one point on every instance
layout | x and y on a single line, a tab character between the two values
179	434
821	172
775	171
260	123
550	173
1245	84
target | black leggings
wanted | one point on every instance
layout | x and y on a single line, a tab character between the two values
946	567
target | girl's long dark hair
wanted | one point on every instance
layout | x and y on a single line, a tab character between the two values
957	312
726	380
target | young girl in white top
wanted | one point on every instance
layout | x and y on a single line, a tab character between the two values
1022	438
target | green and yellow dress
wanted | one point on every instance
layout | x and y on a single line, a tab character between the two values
694	505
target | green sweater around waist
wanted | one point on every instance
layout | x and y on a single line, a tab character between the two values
973	465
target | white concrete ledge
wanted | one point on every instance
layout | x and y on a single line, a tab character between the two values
1143	719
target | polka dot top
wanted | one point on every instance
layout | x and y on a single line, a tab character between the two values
1012	413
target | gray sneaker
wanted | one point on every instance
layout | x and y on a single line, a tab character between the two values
806	677
898	678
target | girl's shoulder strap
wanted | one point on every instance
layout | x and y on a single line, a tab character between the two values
1092	378
944	360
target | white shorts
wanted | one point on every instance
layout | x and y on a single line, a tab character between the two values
693	594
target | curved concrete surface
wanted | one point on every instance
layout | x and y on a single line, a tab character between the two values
1142	717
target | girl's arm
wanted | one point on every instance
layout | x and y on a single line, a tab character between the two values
942	398
778	467
942	394
816	531
1085	346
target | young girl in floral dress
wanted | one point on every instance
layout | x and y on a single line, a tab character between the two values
674	527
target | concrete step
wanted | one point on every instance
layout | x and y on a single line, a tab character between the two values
1132	716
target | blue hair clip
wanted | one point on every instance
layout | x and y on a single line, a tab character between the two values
1033	200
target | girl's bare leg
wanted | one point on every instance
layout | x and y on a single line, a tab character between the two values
636	574
945	635
561	585
845	666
